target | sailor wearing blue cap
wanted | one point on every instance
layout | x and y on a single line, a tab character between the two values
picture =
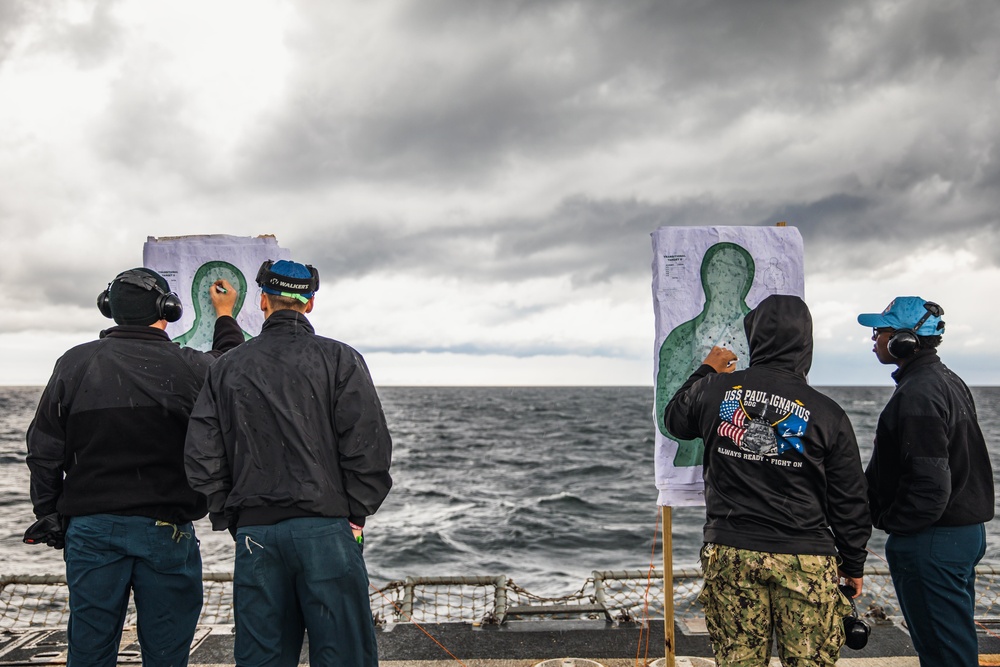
907	319
930	483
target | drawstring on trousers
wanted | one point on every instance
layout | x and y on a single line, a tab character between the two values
178	534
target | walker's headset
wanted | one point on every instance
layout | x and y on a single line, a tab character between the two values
905	342
855	629
168	304
267	278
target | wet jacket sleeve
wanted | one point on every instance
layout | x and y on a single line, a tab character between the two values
205	459
365	446
228	335
847	500
681	414
46	439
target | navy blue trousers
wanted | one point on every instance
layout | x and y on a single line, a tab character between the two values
107	556
935	580
302	575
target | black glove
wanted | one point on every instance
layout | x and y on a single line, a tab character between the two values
48	530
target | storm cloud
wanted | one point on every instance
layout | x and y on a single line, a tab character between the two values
500	160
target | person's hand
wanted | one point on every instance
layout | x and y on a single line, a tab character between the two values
721	359
856	583
48	530
223	297
359	534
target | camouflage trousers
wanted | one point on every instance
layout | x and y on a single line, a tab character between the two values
750	595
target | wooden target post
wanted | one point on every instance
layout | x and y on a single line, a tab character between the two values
668	587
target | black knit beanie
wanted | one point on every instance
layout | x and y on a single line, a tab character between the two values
135	304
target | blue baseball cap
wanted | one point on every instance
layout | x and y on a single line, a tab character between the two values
907	312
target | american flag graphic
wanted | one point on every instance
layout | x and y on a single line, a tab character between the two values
733	421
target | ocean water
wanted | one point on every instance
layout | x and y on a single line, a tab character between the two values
543	485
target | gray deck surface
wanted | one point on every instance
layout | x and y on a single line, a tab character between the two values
515	644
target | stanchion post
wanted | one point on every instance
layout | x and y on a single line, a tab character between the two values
668	587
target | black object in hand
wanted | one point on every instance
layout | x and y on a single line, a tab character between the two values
48	530
855	629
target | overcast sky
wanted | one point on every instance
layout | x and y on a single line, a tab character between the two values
477	180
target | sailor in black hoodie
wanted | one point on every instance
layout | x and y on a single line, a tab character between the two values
931	484
785	495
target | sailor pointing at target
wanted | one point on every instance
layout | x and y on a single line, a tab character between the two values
787	516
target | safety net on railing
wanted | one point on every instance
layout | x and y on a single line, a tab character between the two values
43	600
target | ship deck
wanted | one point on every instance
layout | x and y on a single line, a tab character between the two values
616	619
513	644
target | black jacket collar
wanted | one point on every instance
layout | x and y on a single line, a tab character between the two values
920	359
136	331
287	320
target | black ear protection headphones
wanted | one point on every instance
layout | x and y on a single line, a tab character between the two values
267	278
904	342
168	304
855	629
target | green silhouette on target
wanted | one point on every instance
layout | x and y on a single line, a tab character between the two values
727	272
202	331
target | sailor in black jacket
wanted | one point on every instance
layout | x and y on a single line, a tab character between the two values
786	511
289	443
930	483
105	451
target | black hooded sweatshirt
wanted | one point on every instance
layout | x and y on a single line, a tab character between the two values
782	468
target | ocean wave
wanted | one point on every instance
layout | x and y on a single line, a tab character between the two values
565	501
544	485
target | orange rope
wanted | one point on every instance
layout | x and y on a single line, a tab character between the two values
879	556
410	619
645	606
987	630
